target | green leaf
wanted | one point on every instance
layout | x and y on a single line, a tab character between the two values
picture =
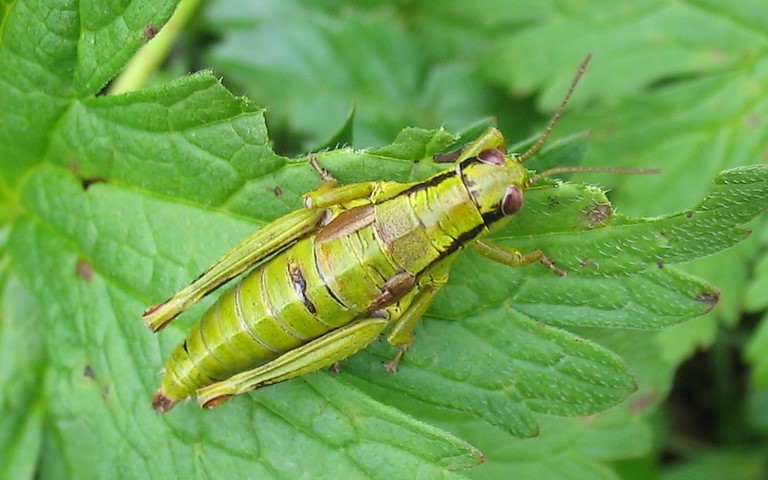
502	366
103	368
755	300
662	94
755	353
115	201
22	355
343	137
649	42
314	61
737	464
54	54
517	353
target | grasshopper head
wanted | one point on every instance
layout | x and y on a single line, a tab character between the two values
496	183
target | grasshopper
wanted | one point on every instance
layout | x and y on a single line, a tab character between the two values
332	277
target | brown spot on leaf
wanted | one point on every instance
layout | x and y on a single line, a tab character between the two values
86	182
84	270
709	297
598	213
642	402
88	372
588	263
335	369
277	191
150	30
660	264
553	202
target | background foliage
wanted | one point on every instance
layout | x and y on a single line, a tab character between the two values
190	169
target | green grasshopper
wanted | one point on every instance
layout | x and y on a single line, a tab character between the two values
330	278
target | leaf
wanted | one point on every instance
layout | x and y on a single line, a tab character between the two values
738	464
755	353
502	367
491	386
83	49
661	94
90	219
343	137
115	201
755	300
570	447
649	42
22	355
314	61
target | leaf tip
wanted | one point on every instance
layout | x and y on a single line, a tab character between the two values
709	298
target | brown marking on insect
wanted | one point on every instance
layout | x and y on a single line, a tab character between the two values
300	285
277	191
149	32
449	157
152	309
161	403
88	372
709	297
216	401
84	270
335	369
392	290
598	213
346	223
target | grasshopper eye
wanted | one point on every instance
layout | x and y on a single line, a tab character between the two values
492	157
512	201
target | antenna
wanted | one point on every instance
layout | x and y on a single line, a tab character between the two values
556	117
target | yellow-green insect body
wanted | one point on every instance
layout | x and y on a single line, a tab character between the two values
358	261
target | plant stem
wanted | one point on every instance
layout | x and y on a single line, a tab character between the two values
149	58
